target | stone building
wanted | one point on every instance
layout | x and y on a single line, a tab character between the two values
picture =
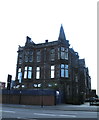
53	65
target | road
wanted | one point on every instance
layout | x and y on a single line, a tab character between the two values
34	114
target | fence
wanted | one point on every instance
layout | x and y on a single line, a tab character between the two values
29	97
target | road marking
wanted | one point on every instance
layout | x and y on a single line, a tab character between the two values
44	114
7	111
54	115
18	117
68	115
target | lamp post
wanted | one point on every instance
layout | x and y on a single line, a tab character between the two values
42	94
42	99
20	81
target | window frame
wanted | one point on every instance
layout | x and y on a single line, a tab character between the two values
52	71
38	56
63	53
52	54
64	72
28	72
20	74
27	55
37	72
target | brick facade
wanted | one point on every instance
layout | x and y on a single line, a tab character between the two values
53	65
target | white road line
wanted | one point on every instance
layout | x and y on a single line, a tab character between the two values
7	111
18	117
54	115
68	115
44	114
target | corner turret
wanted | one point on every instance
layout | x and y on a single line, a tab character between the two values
62	36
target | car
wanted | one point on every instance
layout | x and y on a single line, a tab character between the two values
87	100
92	99
97	99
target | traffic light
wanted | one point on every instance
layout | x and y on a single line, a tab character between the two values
9	81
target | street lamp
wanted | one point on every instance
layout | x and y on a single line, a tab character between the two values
20	81
42	95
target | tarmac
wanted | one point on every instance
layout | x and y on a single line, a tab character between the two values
64	107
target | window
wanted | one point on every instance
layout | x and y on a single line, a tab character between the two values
20	55
58	53
49	85
76	78
28	72
52	54
17	86
30	52
19	75
52	71
28	56
23	86
64	70
37	85
63	53
20	58
20	61
38	56
25	72
37	72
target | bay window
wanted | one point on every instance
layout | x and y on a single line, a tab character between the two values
63	53
64	70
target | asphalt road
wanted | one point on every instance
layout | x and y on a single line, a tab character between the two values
35	114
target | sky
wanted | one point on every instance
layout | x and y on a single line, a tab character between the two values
41	20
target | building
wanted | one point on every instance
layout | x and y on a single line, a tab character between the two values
53	65
2	85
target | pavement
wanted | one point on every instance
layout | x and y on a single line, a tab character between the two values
64	107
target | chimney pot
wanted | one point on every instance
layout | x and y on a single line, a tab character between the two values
46	41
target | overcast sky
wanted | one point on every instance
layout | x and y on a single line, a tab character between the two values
41	20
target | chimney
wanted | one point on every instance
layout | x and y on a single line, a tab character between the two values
46	41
